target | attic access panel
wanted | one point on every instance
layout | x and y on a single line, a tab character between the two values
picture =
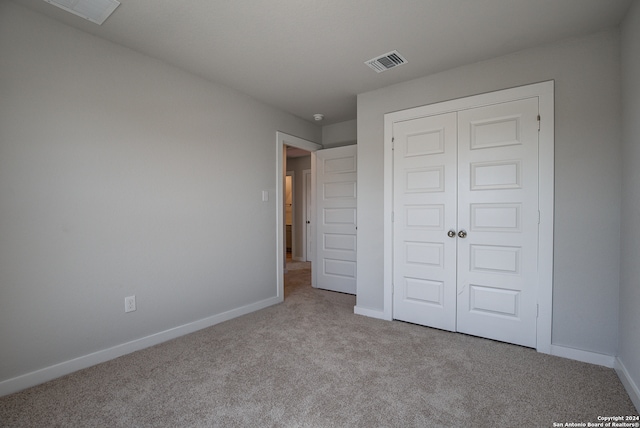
96	11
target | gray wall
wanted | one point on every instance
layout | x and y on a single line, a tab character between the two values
122	175
587	172
340	134
629	354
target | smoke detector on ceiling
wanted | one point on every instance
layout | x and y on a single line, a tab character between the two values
385	62
93	10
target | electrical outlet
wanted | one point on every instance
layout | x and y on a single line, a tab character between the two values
130	304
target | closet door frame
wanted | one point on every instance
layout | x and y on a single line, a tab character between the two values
544	91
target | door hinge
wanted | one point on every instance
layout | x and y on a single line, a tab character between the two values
392	217
538	122
537	310
538	216
393	143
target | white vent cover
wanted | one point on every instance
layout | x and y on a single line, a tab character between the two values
93	10
386	61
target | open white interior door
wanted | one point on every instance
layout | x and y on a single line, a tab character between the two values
336	202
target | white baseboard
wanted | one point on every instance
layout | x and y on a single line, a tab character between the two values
372	313
584	356
629	384
46	374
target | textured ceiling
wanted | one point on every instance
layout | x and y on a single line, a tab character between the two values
307	56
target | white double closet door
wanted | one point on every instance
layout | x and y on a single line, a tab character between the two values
466	218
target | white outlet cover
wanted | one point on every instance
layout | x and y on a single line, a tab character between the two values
130	304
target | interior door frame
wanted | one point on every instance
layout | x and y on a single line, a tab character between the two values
306	213
292	174
544	91
282	140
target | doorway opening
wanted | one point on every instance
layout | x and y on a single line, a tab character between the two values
289	190
297	271
294	158
297	204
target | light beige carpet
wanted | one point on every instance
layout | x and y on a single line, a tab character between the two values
310	362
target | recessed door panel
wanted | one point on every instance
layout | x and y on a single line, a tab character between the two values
424	291
425	217
341	268
345	189
429	142
425	179
490	301
495	259
339	165
336	216
424	253
340	242
496	175
495	132
495	217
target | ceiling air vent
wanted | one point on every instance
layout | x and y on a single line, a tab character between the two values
386	61
93	10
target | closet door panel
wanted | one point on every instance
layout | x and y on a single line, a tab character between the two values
425	175
498	212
